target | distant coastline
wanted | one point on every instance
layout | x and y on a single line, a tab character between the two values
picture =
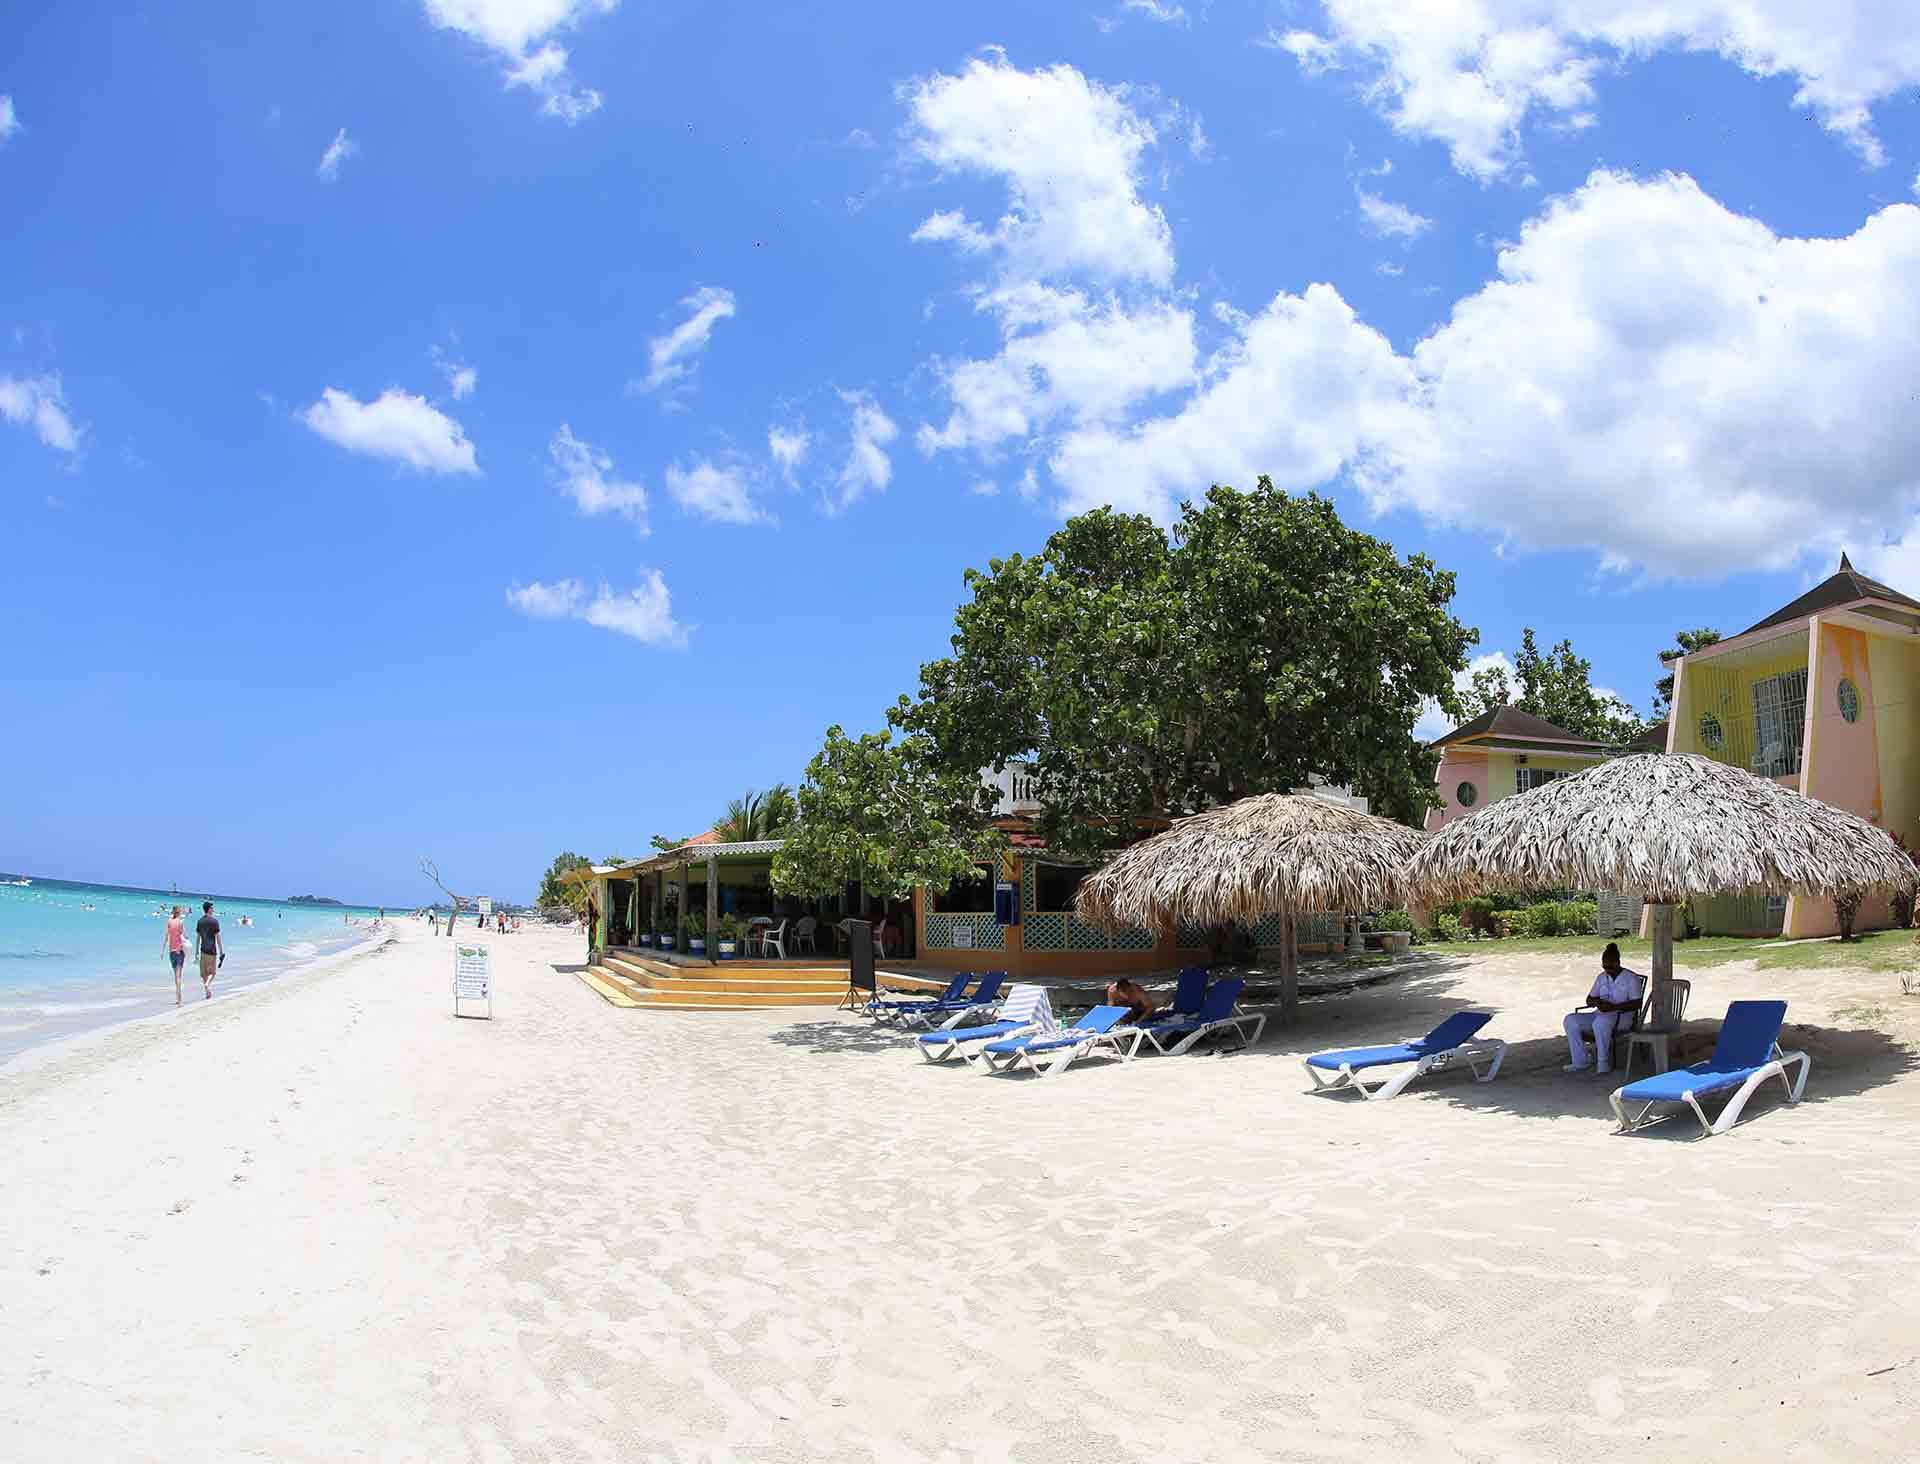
313	900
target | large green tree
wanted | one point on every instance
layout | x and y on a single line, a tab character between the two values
884	813
1556	685
553	892
1142	674
1686	642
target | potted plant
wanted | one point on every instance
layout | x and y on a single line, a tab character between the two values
697	934
646	939
663	937
729	933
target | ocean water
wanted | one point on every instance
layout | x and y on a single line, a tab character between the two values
77	956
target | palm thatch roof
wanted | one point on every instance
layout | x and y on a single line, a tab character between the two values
1273	853
1665	827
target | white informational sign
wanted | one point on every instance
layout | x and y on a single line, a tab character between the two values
472	978
962	937
486	906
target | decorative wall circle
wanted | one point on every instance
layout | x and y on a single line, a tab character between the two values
1849	700
1465	795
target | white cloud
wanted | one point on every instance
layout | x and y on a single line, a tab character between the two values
396	425
1156	10
867	468
9	119
644	613
1436	723
717	491
788	447
1068	150
1391	220
521	32
1916	185
461	379
671	356
985	488
586	475
1672	384
1304	389
1469	74
38	402
1064	357
338	151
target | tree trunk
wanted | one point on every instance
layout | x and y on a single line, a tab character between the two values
1662	956
1289	969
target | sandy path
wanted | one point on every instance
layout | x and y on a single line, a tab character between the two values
330	1222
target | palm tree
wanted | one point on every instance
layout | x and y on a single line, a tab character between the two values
756	816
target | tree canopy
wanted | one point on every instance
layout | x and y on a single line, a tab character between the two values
553	892
1685	643
1556	685
1260	645
885	814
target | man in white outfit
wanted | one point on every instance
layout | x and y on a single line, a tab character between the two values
1614	999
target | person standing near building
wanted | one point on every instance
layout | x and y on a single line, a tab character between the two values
176	947
213	950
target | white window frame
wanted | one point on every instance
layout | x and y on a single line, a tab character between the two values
1525	780
1779	723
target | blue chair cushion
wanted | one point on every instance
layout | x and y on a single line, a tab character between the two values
970	1034
1359	1057
1702	1077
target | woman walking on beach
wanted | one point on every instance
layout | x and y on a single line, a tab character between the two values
176	947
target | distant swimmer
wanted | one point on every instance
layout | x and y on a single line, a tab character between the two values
176	947
213	950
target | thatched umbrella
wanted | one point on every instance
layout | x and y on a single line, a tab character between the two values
1667	827
1281	854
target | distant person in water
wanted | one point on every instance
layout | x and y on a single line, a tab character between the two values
176	947
213	950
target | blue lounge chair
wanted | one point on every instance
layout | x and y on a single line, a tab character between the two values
1747	1054
955	1013
1450	1042
887	1009
1026	1009
1052	1052
1219	1012
1188	993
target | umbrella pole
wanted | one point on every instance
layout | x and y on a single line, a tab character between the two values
1662	956
1289	969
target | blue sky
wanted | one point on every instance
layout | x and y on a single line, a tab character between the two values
484	427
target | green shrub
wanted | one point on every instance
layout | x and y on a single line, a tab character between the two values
1506	900
1446	926
1391	920
1476	914
1577	916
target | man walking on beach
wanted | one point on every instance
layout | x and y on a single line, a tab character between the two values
213	950
176	947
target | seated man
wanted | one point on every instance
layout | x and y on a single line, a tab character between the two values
1614	999
1133	996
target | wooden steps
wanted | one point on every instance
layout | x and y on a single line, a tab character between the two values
627	979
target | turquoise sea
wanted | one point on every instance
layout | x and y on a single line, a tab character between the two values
76	956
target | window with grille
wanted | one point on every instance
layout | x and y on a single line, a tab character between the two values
1779	718
1525	778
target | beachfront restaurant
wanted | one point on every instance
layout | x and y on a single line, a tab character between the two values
1016	916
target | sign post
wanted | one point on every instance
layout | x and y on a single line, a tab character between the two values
472	979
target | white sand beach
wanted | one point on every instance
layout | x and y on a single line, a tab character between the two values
330	1221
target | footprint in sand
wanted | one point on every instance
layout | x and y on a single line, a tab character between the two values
179	1207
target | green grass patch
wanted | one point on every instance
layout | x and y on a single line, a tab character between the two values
1879	950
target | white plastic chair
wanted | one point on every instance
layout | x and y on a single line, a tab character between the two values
803	935
774	938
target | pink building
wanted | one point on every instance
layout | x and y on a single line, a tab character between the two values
1821	696
1500	753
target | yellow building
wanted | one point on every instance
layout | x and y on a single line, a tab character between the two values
1820	696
